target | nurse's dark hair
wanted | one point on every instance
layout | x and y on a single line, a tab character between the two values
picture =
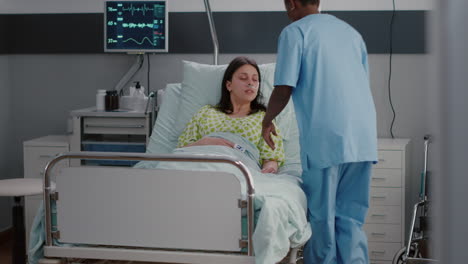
225	104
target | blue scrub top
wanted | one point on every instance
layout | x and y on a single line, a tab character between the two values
325	61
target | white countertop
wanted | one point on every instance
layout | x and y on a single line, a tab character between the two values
91	111
392	144
50	141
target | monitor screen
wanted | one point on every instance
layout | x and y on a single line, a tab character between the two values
136	26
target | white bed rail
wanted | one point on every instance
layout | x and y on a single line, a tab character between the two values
150	157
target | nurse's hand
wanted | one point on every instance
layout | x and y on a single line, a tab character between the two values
267	130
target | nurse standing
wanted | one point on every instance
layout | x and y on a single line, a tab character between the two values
322	63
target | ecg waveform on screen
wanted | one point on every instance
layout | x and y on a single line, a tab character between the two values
133	9
138	42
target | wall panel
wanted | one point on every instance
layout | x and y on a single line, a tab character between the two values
238	32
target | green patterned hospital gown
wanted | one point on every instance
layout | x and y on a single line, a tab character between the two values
208	120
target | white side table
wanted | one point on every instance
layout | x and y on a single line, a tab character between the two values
19	188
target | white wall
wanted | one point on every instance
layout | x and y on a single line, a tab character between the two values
5	134
409	89
96	6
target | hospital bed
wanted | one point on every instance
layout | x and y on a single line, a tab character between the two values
179	207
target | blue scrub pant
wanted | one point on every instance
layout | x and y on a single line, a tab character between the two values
338	200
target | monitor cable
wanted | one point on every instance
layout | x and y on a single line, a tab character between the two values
390	69
151	104
148	71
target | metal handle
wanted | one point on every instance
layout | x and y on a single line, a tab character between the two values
379	197
379	234
379	215
115	126
422	193
381	160
379	178
378	252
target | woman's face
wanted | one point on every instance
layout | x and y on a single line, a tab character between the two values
244	85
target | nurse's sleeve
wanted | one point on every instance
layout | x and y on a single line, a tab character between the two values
266	153
288	61
192	132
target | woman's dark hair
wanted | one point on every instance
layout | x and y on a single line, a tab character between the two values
225	104
306	2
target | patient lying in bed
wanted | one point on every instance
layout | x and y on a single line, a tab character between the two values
240	112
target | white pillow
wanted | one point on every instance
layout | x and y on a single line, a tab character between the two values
201	85
164	137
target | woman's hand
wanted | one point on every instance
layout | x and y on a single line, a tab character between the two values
270	166
210	141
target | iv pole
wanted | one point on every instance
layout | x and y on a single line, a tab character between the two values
214	36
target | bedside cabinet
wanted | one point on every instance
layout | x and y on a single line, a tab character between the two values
37	153
385	222
109	131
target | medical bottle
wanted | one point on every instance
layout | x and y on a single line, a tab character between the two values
112	100
108	101
100	100
115	100
139	90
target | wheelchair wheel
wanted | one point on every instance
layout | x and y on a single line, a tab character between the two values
400	257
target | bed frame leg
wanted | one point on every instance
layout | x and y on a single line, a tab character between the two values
50	261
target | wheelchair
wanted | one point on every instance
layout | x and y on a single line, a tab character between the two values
417	249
